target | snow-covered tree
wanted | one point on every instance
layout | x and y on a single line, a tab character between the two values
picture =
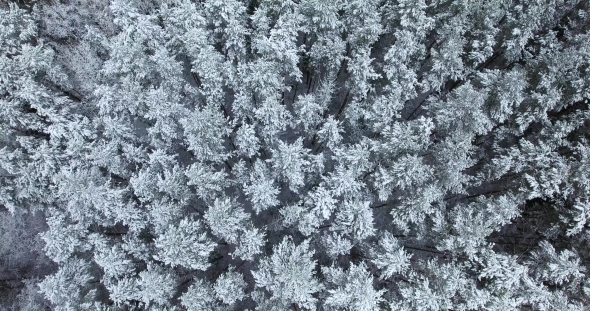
184	245
352	288
229	287
289	274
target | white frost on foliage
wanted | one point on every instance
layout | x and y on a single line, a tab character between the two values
185	245
288	274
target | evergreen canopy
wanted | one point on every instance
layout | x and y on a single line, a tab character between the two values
295	155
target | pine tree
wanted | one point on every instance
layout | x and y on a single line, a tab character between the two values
352	289
288	274
184	245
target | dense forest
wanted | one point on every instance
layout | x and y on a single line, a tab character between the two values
352	155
